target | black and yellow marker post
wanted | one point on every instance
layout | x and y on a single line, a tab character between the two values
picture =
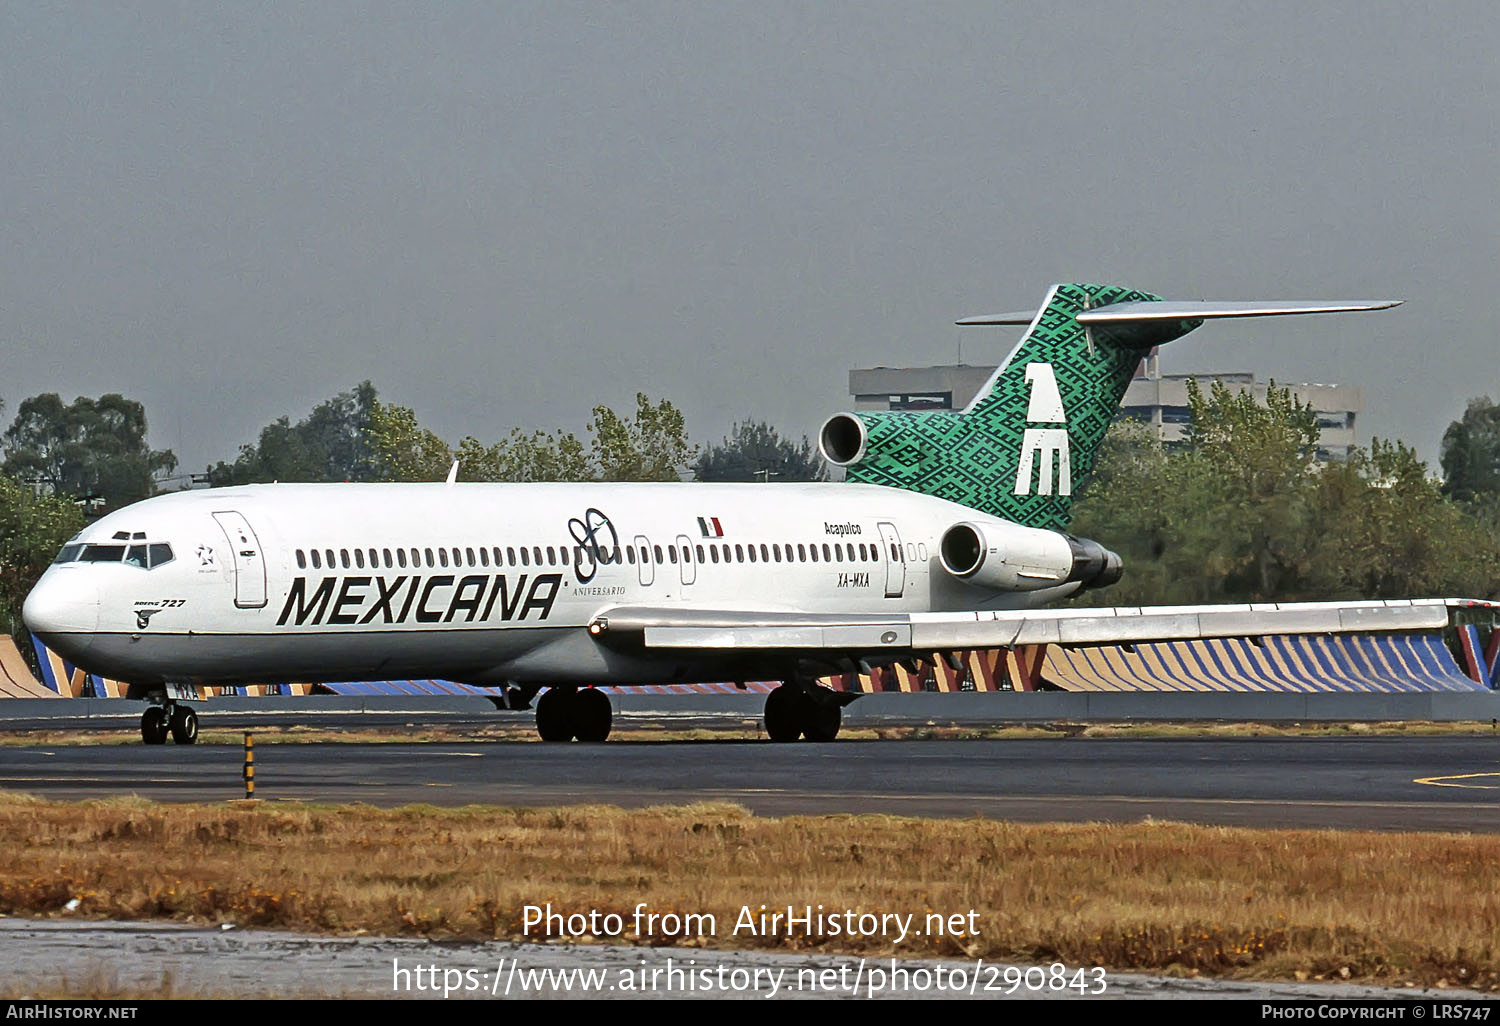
249	765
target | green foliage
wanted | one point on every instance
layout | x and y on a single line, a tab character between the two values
1241	511
1470	456
649	447
538	456
94	448
331	444
403	450
32	528
758	453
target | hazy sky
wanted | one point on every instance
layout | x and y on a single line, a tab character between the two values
506	213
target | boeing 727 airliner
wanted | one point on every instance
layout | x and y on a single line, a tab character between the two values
951	532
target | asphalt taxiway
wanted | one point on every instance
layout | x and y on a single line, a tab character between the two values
1449	783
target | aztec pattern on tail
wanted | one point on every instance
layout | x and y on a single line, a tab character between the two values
1024	446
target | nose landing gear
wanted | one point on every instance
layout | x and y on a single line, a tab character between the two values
178	720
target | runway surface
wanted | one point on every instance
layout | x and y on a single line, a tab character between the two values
1448	783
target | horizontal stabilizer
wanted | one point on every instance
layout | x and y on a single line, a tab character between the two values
1021	317
1173	310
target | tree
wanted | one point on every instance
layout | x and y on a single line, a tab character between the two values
538	456
650	447
331	444
32	528
758	453
91	448
403	450
1386	531
1470	455
1243	512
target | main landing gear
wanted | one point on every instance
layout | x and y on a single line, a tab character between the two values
794	711
178	720
565	713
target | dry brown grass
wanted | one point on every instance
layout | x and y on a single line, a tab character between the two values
1306	904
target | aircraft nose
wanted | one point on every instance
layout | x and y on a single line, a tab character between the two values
64	601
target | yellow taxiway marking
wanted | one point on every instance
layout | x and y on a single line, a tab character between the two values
1443	781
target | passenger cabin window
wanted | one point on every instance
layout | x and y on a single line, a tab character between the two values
317	562
431	560
551	555
301	560
401	558
443	557
344	557
359	559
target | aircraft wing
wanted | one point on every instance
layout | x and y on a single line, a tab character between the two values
906	633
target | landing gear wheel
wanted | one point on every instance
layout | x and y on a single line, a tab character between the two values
553	721
784	713
184	725
822	722
591	715
154	725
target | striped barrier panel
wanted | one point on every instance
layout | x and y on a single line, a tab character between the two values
16	678
1480	660
1287	663
1302	663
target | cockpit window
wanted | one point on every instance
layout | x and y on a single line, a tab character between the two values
137	553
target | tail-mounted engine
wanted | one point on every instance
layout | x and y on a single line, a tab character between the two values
1025	559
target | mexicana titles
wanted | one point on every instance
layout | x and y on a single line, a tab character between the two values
442	598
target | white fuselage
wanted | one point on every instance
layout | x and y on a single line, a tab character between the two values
485	582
